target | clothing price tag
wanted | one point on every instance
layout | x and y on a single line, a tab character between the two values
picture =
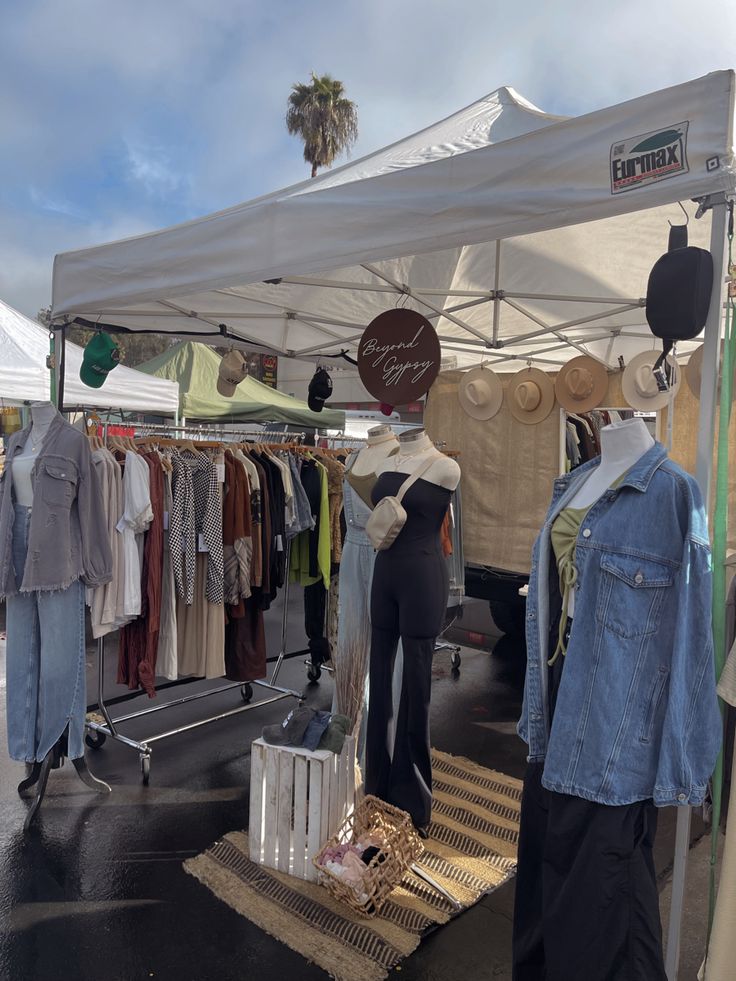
201	543
220	472
166	520
279	543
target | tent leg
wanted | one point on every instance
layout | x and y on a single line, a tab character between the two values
704	473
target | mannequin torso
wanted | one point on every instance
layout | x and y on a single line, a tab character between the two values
415	448
622	444
42	414
381	442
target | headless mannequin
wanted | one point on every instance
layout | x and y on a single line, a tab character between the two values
380	443
408	602
415	448
42	414
622	444
37	774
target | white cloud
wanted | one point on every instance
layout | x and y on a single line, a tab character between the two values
150	168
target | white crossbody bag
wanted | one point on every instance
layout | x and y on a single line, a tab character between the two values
389	516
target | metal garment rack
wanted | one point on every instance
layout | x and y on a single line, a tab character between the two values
99	732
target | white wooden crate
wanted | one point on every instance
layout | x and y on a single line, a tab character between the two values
298	800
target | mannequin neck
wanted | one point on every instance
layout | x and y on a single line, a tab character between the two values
42	414
380	434
414	442
623	443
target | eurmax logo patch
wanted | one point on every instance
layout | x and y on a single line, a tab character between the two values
649	158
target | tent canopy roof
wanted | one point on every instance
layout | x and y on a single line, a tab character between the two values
195	367
497	223
24	347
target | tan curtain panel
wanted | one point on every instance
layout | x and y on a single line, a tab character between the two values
508	468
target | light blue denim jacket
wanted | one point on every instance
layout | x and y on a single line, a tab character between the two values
637	714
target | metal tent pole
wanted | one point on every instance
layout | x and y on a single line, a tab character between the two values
703	474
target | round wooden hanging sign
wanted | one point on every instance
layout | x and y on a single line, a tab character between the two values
399	357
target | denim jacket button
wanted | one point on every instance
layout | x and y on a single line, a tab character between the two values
587	533
682	797
638	578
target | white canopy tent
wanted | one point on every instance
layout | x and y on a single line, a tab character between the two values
522	236
498	223
24	347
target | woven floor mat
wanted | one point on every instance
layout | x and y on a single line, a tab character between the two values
471	851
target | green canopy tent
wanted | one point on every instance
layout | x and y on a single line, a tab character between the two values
195	367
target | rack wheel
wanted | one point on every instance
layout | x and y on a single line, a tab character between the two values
246	692
455	660
314	672
95	740
146	769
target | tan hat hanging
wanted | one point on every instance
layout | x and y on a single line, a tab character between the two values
480	393
639	386
582	384
530	396
694	371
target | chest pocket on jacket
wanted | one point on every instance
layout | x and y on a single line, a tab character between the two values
59	484
630	594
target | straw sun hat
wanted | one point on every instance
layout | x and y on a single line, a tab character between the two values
530	396
480	393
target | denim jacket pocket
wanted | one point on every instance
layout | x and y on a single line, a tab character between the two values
630	594
655	699
59	484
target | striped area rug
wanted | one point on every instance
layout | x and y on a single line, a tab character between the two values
471	851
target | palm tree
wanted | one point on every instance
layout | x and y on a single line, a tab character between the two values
320	114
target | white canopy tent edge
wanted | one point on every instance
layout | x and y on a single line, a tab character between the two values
24	347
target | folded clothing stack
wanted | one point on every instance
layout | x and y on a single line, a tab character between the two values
309	729
350	862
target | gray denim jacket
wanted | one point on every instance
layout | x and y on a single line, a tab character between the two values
68	537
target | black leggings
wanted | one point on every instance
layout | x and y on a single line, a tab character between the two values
408	601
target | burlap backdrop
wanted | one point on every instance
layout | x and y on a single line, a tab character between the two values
508	468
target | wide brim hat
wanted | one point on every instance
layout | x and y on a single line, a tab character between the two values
639	386
480	393
530	395
582	384
233	369
694	372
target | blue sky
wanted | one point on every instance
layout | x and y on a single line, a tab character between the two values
121	117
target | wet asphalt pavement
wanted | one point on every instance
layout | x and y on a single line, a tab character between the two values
97	892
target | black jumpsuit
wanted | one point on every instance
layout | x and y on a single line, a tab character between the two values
408	601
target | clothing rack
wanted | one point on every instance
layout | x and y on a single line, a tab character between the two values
100	731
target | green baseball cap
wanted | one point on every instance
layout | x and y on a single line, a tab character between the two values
100	356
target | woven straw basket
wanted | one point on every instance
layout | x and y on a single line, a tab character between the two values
401	846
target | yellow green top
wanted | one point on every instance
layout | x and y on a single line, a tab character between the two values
564	535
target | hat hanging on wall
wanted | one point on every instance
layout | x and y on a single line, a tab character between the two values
582	384
100	356
530	396
320	389
480	393
639	386
694	371
233	369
